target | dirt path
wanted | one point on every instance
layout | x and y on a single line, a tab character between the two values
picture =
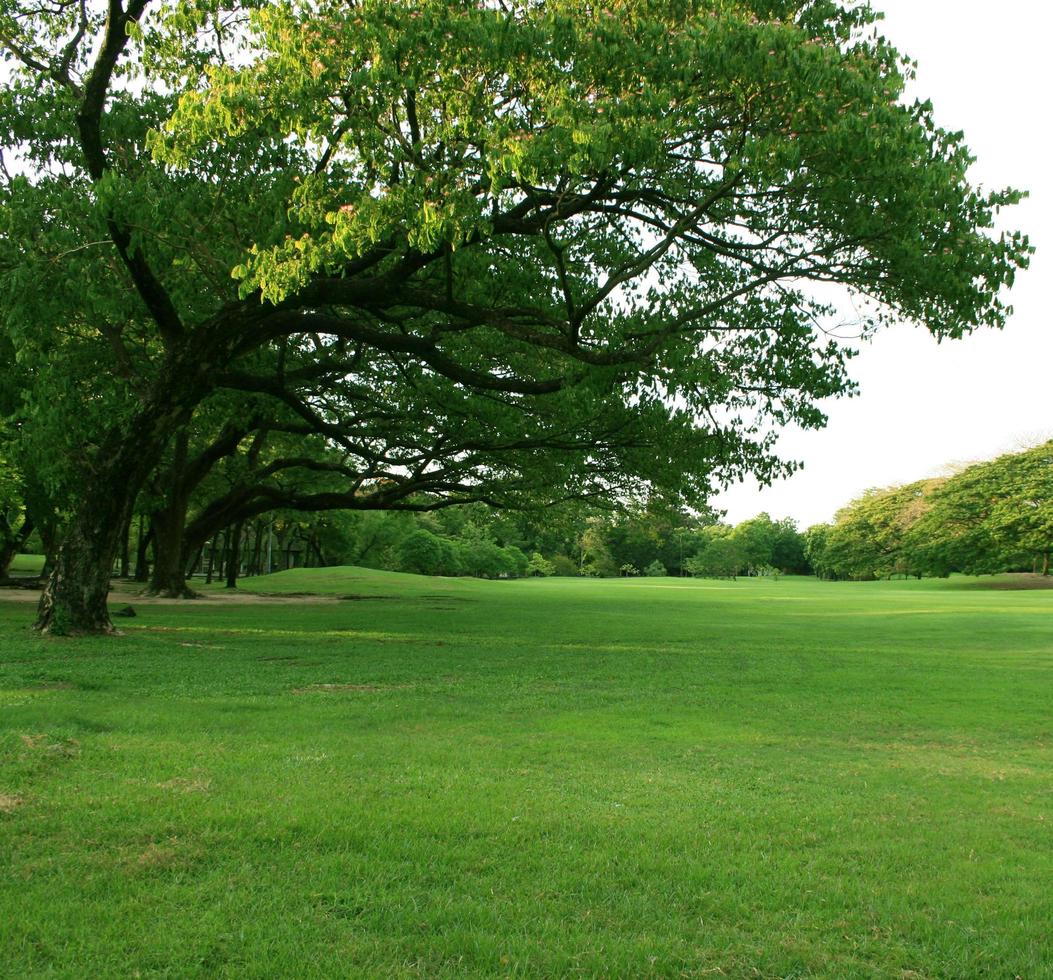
130	597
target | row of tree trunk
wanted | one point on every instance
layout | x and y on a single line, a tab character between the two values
247	548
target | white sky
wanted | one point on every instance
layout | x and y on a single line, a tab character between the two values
923	406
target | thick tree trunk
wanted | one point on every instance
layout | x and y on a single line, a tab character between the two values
317	548
1045	564
169	574
7	555
168	577
74	599
257	549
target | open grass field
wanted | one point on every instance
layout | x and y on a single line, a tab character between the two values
26	565
538	778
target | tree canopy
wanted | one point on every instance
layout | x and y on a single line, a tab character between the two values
989	517
491	251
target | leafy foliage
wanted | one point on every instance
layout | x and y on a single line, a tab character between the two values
990	517
513	252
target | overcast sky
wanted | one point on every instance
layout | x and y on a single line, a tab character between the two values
923	406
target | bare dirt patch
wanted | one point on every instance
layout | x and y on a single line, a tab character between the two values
9	803
124	596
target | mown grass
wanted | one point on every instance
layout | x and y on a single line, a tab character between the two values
538	778
26	565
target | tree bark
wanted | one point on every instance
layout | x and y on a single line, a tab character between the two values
313	543
168	577
169	572
257	549
74	599
50	553
234	556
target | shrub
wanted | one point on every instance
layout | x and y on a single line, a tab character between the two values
539	566
427	554
564	566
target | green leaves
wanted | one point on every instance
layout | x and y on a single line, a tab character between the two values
502	231
991	517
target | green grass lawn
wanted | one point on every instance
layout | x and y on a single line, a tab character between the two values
26	565
539	778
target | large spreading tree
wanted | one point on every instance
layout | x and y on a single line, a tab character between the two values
490	248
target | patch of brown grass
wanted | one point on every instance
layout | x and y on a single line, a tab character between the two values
158	856
66	747
9	803
149	856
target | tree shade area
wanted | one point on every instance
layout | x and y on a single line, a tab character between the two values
405	255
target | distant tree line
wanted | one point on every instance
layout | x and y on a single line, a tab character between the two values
253	496
990	517
476	540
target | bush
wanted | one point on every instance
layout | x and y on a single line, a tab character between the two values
427	554
539	566
719	559
656	569
564	566
517	561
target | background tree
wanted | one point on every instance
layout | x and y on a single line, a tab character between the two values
816	540
755	541
428	554
874	536
788	549
719	557
539	566
993	516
